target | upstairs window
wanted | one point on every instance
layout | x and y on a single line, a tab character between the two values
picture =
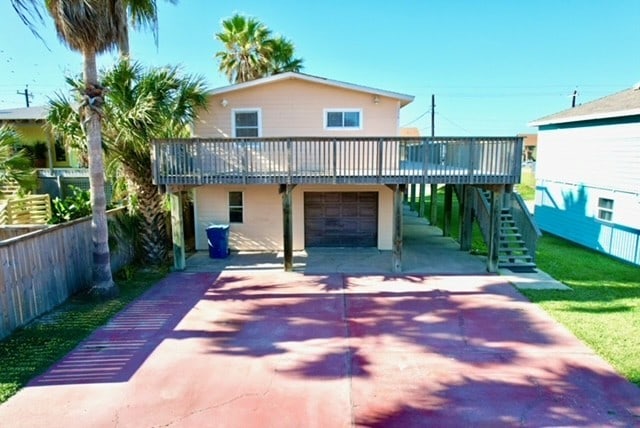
343	119
605	209
246	123
236	207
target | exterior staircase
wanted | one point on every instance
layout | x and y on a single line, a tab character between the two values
512	249
518	232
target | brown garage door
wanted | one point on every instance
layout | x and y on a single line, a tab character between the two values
341	219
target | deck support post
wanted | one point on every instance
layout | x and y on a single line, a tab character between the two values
412	201
466	222
422	195
287	226
177	231
448	204
396	253
494	230
433	214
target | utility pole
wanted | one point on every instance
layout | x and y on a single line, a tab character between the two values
433	191
433	114
26	94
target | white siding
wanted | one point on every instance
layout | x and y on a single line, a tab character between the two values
605	156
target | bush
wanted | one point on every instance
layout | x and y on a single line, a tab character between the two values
77	205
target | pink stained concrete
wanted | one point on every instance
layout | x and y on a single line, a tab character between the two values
244	349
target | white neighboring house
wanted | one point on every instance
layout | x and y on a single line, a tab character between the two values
588	174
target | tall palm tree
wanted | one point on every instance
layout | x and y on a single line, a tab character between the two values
282	57
89	27
142	105
247	48
142	14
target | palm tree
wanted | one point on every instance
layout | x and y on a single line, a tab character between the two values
89	27
247	44
143	14
15	166
142	105
281	58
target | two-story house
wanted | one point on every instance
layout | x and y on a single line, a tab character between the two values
588	174
293	161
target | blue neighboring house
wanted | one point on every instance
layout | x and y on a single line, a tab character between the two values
588	174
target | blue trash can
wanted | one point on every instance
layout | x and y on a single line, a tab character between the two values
218	239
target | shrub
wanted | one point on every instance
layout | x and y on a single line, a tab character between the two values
77	205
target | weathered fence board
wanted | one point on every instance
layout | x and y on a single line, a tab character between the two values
41	269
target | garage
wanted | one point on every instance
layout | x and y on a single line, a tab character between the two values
341	219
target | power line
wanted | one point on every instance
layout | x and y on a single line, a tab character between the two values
416	119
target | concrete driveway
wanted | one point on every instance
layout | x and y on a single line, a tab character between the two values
275	349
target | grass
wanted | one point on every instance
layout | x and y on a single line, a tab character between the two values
527	186
31	350
603	308
478	245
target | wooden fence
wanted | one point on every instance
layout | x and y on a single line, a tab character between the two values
31	209
41	269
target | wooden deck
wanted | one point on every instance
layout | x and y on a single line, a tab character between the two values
364	160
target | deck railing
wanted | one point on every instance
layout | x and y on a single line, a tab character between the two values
389	160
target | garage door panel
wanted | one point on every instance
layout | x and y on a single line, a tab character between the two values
341	219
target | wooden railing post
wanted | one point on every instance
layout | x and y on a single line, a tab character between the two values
289	160
380	157
472	160
335	160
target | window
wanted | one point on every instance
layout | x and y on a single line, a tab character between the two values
605	209
61	153
246	123
343	119
235	207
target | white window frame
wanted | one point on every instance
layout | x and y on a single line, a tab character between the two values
246	110
342	110
603	209
242	207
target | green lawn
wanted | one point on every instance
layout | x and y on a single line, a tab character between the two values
527	186
603	309
31	350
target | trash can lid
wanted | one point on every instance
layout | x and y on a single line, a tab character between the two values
217	226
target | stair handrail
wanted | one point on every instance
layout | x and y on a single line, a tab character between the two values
525	223
482	210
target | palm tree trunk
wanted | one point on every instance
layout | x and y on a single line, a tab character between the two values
153	236
103	285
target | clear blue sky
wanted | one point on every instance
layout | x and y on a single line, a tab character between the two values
492	65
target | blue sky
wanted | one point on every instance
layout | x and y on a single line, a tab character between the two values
492	65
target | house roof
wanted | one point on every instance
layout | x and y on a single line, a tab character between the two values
409	132
623	103
24	113
403	98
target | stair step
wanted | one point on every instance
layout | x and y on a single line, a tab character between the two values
511	235
514	243
517	265
515	259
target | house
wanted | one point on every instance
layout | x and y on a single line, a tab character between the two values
588	174
293	161
30	123
58	167
529	147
